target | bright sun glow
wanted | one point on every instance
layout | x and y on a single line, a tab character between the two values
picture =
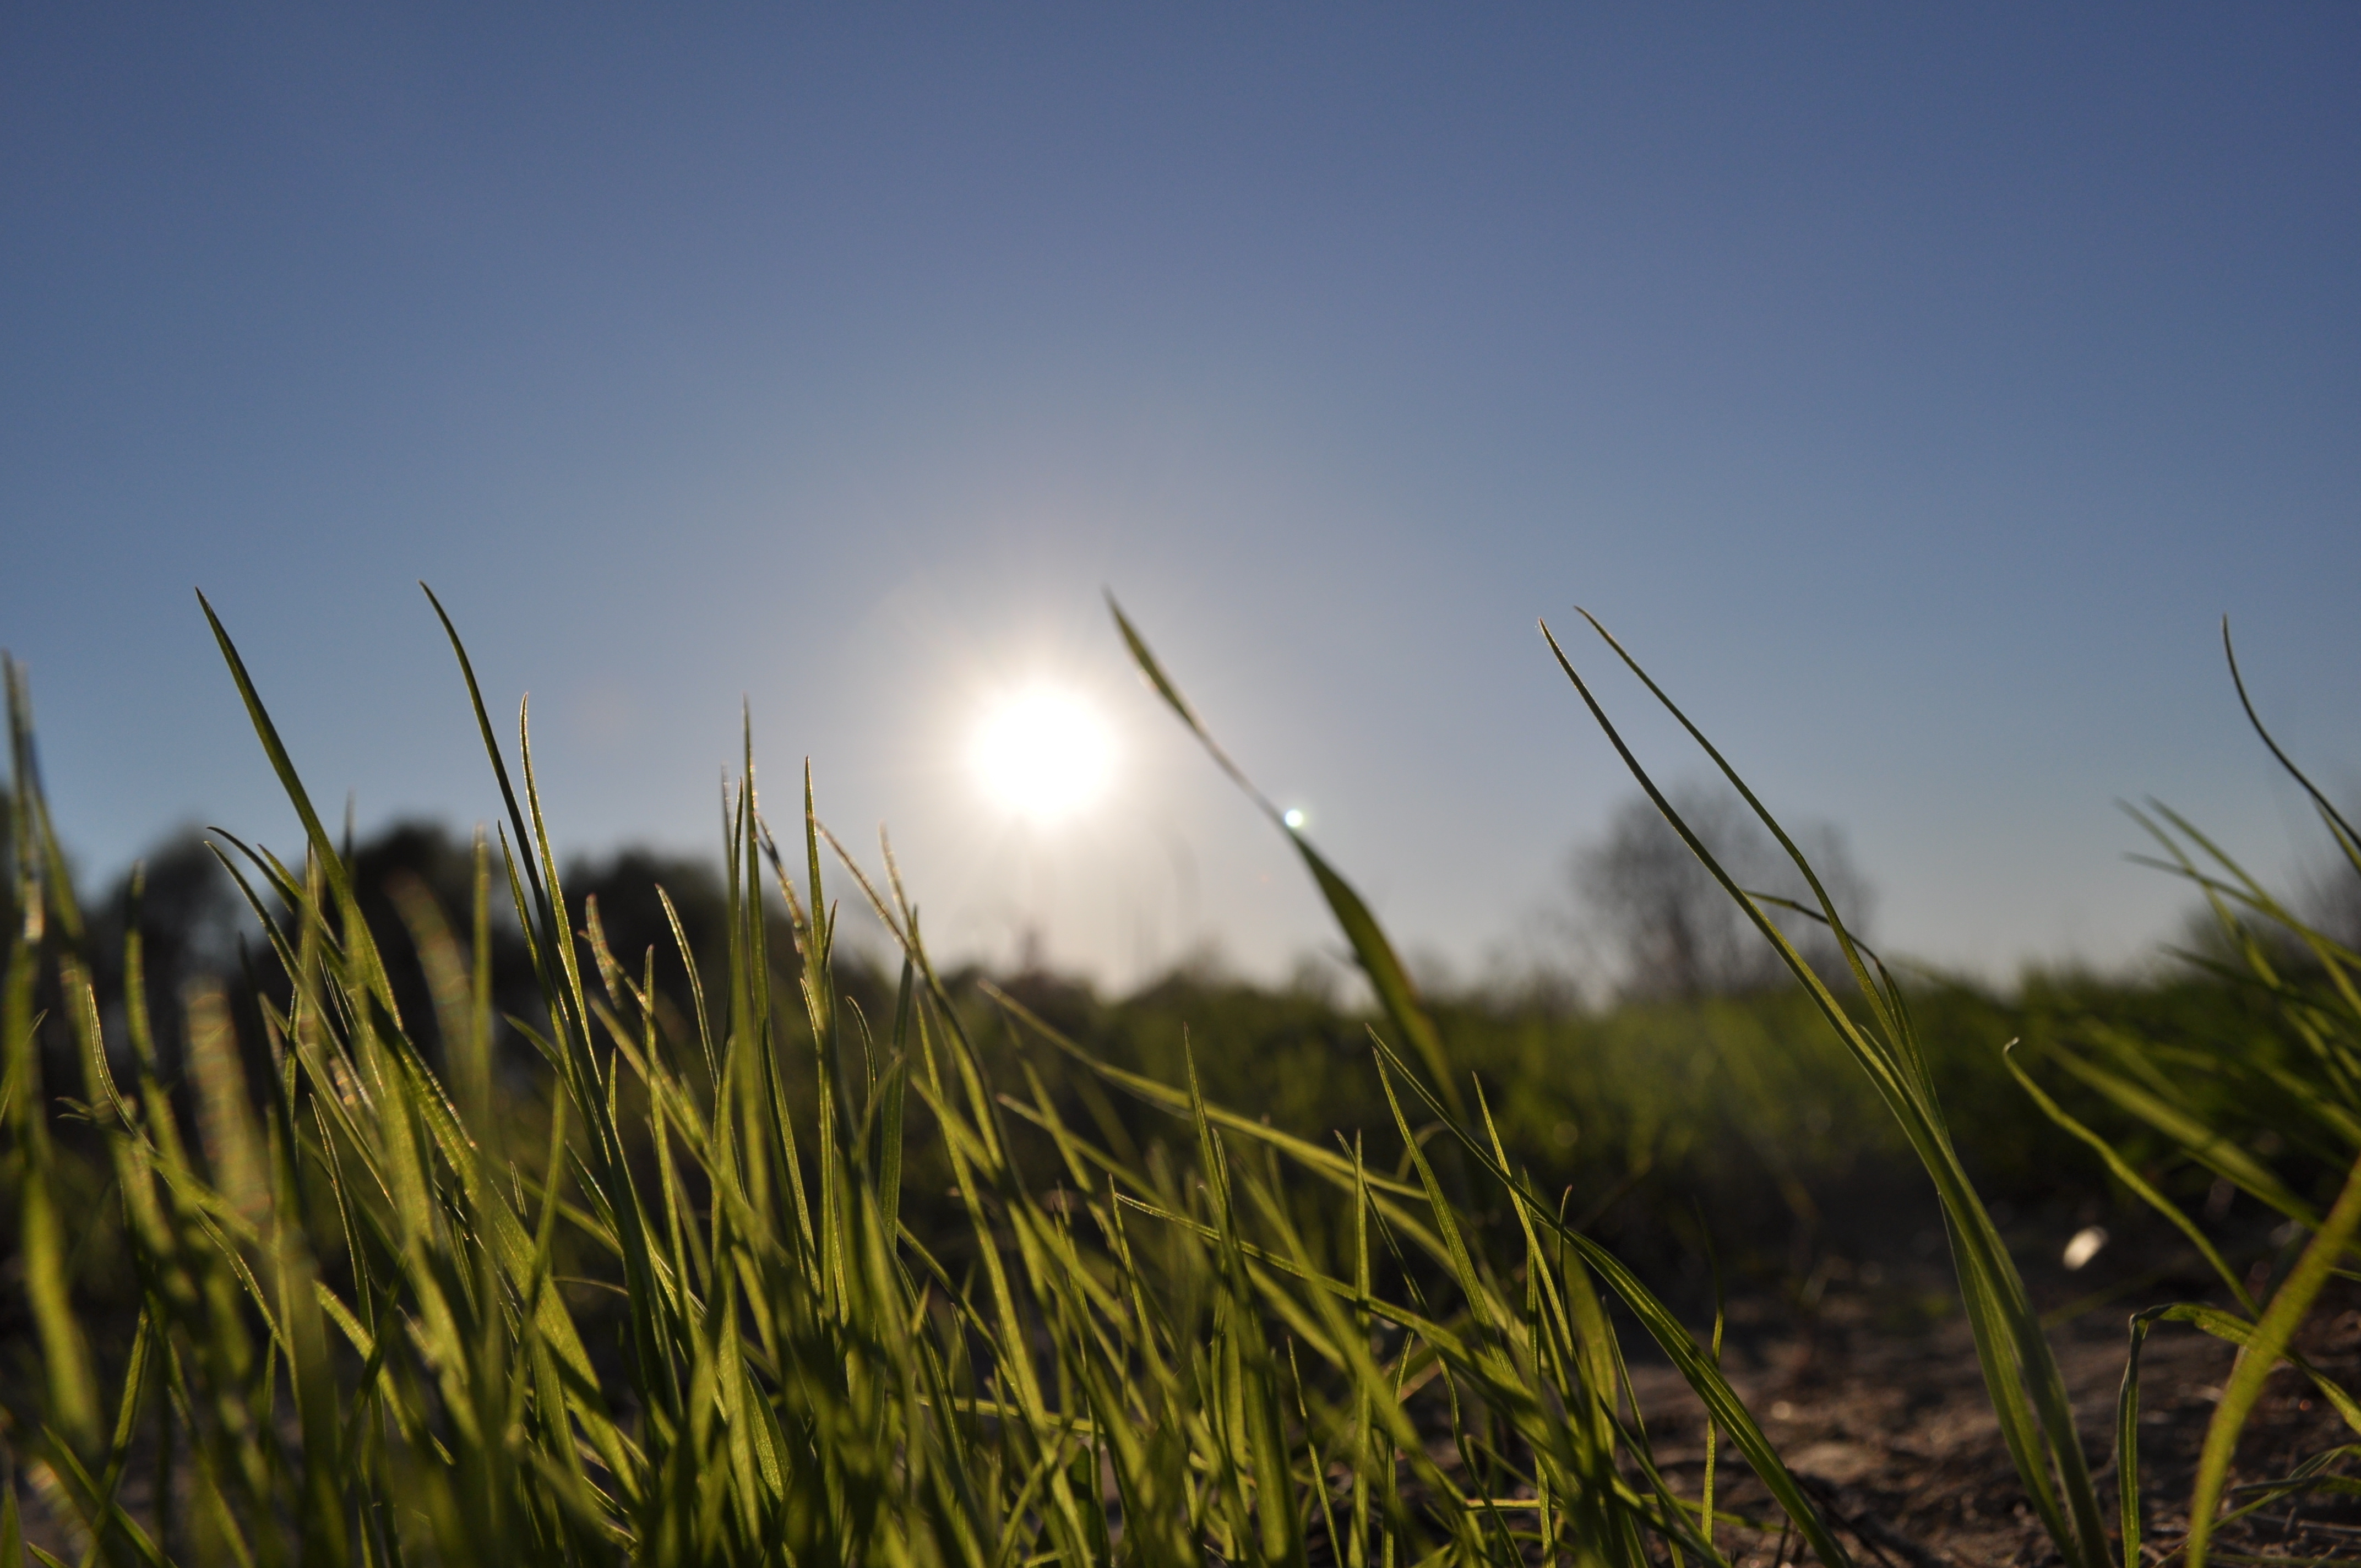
1044	753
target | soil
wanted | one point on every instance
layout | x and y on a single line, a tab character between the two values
1889	1426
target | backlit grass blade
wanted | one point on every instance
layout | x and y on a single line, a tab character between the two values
355	929
2189	1129
550	922
42	1227
2277	1326
2028	1392
1375	954
2348	839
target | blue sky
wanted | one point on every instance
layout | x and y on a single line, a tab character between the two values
1912	391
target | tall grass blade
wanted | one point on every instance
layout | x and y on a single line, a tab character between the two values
2020	1371
1375	955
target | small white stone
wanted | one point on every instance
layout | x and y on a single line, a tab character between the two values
2084	1247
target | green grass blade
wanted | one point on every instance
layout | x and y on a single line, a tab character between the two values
549	920
2122	1171
2277	1327
2020	1370
2347	837
356	930
1370	946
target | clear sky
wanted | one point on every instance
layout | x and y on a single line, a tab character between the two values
1912	387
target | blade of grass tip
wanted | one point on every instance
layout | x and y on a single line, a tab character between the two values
818	980
2127	1486
695	988
902	900
274	876
609	969
1154	671
499	766
2327	807
823	927
1370	945
1712	1429
56	878
23	793
360	948
573	1006
889	1132
897	925
2272	1333
2248	892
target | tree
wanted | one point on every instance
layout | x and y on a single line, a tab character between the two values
192	921
1670	927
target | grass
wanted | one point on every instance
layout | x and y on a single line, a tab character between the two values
787	1276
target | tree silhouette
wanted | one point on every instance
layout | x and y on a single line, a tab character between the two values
1671	928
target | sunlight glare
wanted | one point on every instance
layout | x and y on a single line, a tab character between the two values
1044	753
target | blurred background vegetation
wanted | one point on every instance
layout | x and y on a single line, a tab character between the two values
1648	1059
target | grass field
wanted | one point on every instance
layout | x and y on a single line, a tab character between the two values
438	1236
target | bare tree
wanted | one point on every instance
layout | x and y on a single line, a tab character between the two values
1671	928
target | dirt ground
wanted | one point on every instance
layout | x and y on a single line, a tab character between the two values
1889	1427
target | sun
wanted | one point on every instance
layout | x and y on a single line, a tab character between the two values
1043	753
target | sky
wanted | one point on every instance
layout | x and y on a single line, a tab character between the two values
1911	389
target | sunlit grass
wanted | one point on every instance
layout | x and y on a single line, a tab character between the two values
673	1301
